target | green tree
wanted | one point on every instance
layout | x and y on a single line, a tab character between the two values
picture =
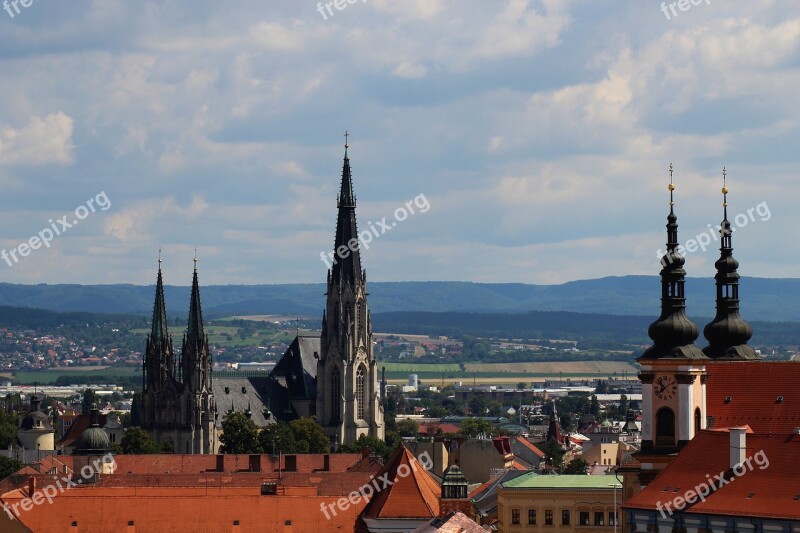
478	405
474	427
594	406
553	455
576	467
89	399
138	441
521	385
376	446
276	438
408	428
623	406
8	466
566	422
310	436
8	429
239	434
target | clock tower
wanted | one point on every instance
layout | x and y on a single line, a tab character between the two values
673	372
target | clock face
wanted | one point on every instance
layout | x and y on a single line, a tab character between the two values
665	387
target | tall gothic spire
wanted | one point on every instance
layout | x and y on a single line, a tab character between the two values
673	333
346	251
728	333
158	330
159	359
195	355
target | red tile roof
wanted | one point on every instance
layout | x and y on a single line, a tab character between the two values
169	489
525	442
771	492
739	393
415	495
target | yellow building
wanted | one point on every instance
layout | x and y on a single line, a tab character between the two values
534	503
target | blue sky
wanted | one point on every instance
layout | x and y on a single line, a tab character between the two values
540	133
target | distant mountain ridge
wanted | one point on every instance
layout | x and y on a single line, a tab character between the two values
763	299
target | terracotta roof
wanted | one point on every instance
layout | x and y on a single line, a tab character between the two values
525	442
771	492
746	392
416	495
164	489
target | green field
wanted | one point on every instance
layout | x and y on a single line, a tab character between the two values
509	372
228	336
47	377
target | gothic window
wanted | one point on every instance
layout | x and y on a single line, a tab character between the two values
336	396
665	427
360	392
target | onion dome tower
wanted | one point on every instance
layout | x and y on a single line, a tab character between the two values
728	333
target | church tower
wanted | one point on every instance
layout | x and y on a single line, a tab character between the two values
348	404
197	398
159	405
177	404
728	333
673	371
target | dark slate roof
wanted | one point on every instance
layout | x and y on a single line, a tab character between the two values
297	369
241	394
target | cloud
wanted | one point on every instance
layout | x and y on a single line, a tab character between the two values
44	141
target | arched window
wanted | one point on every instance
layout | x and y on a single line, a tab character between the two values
336	396
697	421
665	427
360	392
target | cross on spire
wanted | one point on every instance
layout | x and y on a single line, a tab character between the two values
346	135
195	258
159	258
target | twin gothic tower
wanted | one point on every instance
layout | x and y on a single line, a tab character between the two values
177	403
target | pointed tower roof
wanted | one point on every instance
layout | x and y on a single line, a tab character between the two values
159	327
728	333
554	429
194	331
414	493
673	333
347	263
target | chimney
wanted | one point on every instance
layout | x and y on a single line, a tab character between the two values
31	486
738	446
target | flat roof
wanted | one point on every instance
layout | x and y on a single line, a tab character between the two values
534	481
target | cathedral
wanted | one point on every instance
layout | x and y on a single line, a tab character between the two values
333	376
177	403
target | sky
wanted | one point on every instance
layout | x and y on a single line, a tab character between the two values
532	138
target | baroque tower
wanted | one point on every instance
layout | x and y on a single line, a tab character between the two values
728	333
348	404
673	371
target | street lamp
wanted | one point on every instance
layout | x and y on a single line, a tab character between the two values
616	517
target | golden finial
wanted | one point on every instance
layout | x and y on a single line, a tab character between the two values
725	191
346	135
671	185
